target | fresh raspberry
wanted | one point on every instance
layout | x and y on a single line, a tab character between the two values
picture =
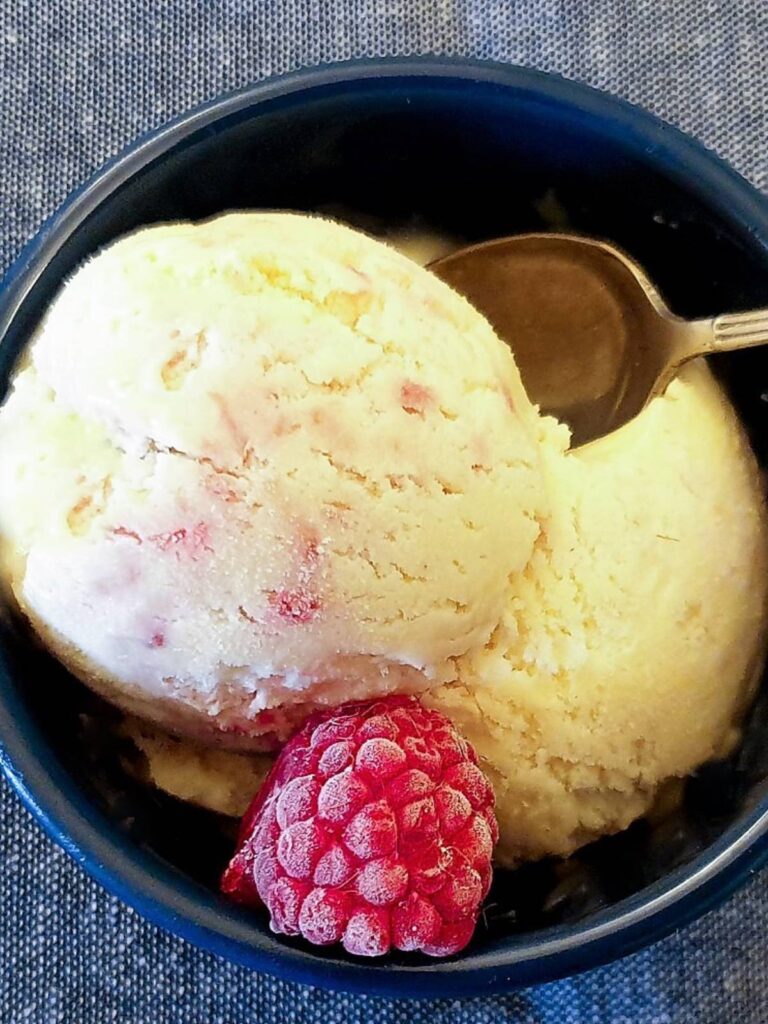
375	828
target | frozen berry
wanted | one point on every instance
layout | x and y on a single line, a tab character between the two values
375	829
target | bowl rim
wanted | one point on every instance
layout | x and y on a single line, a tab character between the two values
160	892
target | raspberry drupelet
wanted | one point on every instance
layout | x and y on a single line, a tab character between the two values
375	828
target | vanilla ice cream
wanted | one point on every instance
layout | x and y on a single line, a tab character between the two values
212	777
630	642
262	463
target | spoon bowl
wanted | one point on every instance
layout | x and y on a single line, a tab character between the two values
592	336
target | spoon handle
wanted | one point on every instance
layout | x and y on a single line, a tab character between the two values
692	338
738	330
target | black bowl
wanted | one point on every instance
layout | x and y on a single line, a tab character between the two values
475	150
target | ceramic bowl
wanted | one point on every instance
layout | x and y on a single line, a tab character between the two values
475	150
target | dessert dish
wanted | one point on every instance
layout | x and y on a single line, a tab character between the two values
259	467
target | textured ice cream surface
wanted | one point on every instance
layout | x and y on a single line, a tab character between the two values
629	644
260	463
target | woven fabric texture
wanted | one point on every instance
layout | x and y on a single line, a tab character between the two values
81	78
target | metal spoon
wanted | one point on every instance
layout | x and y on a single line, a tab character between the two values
593	339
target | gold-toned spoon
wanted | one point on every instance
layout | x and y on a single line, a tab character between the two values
593	339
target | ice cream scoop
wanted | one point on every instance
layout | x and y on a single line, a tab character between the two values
631	646
261	463
592	337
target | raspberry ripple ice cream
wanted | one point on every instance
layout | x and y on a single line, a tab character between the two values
262	464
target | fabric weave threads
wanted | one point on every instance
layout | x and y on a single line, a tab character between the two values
78	81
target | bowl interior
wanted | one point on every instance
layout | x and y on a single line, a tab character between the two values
475	160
